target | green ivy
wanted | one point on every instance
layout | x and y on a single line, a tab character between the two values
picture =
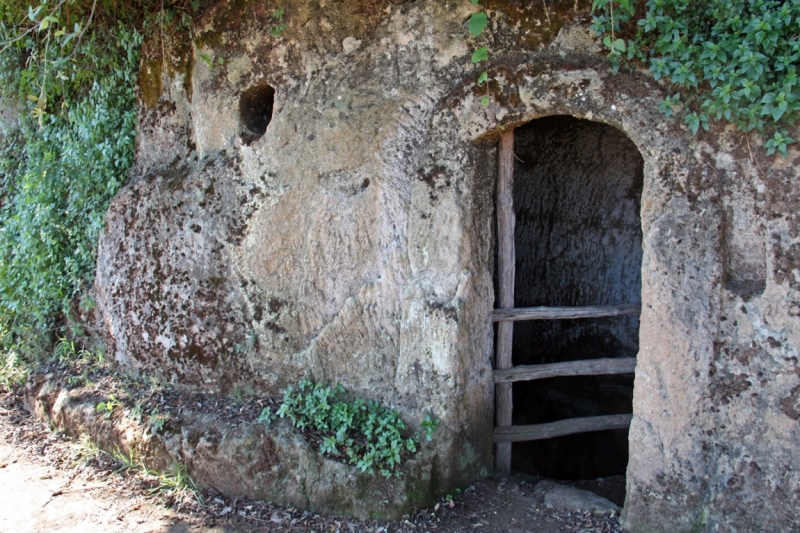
735	60
62	165
361	432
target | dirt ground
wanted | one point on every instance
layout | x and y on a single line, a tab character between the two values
50	483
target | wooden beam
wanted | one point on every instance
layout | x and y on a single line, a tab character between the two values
559	313
570	426
505	279
586	367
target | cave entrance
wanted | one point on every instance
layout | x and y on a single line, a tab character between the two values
569	262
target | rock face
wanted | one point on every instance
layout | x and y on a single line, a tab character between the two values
572	498
350	239
278	464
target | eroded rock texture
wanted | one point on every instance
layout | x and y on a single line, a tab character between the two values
353	242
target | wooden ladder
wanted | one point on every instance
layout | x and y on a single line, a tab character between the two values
505	374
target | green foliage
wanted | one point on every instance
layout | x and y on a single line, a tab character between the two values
735	59
476	25
481	54
428	426
137	413
60	169
157	421
361	432
171	487
279	24
109	406
69	67
267	416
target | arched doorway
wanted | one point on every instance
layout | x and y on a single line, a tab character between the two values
577	252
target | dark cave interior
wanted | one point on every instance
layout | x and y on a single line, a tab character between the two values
578	239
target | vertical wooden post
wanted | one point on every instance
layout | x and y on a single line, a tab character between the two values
505	278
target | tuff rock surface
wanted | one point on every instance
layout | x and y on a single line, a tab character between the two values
353	242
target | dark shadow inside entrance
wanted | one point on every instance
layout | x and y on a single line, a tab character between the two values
578	238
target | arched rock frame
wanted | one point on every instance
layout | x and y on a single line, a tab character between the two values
680	218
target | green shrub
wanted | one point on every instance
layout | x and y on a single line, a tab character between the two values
60	168
361	432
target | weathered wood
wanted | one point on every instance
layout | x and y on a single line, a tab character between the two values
559	313
505	279
570	426
587	367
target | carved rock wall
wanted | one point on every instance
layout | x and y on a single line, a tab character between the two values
353	243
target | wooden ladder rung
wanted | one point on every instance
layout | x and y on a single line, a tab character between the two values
561	313
586	367
561	428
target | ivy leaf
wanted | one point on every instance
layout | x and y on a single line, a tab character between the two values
208	61
481	54
485	101
477	23
696	121
778	142
483	77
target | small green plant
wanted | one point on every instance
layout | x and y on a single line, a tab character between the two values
137	413
172	486
360	432
428	426
279	24
128	461
207	59
157	421
107	407
476	25
267	416
240	395
87	451
66	351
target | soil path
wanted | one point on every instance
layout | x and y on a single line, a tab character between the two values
35	497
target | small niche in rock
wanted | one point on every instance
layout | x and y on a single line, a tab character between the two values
578	238
255	111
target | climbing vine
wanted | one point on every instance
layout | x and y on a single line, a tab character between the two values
59	169
477	23
68	69
731	60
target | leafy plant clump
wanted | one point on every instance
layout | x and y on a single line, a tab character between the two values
736	60
361	432
68	72
60	167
